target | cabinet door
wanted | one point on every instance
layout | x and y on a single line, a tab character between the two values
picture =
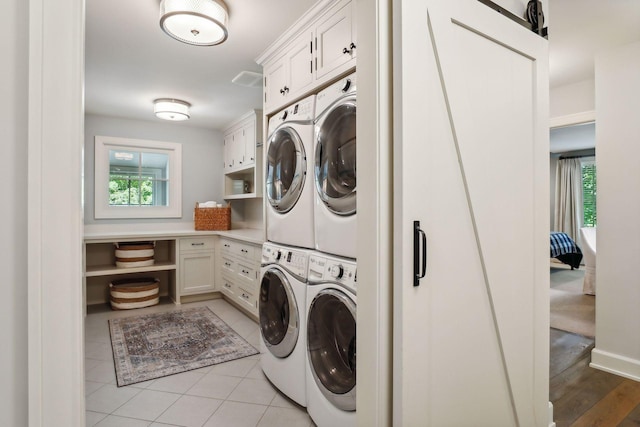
249	136
197	272
335	44
471	87
275	80
299	60
238	148
227	153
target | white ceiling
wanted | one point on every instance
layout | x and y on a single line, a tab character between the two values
130	61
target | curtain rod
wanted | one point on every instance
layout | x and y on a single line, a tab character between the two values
576	157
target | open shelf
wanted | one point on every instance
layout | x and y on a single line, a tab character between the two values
108	270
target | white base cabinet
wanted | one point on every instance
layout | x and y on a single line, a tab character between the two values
239	271
197	265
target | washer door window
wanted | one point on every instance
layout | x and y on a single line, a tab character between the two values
278	313
335	164
331	347
286	167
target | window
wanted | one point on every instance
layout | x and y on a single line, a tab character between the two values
589	186
137	178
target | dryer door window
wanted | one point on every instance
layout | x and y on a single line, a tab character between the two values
286	166
335	160
278	313
331	347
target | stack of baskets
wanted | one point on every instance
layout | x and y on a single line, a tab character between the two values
212	218
134	254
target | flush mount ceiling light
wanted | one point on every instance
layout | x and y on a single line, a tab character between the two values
196	22
171	109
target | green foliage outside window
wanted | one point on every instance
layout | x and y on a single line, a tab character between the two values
589	185
124	191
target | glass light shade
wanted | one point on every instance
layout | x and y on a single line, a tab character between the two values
171	109
196	22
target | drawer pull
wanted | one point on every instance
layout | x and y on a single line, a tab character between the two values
226	285
245	296
227	264
198	244
244	250
245	271
226	245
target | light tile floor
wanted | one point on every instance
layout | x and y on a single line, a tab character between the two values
231	394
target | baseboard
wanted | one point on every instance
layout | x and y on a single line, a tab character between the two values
551	423
615	364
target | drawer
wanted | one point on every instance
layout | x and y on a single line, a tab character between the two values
196	243
228	287
227	265
246	272
247	297
238	249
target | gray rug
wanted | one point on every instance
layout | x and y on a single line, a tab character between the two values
156	345
571	310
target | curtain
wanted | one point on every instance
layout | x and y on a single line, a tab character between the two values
568	197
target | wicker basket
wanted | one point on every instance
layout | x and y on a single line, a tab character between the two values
134	254
127	294
212	218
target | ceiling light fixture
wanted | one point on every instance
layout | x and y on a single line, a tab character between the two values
196	22
171	109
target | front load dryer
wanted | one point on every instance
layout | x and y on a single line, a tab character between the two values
289	177
335	168
281	308
331	341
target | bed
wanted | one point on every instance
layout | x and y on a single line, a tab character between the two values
564	249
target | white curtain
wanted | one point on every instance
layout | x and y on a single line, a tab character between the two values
568	197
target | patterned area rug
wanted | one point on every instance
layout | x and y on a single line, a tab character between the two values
160	344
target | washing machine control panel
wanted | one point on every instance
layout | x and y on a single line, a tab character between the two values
293	260
329	269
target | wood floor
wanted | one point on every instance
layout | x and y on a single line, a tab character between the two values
587	397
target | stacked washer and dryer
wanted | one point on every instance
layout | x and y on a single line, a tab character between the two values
307	301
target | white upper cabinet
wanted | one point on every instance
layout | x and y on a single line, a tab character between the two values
240	143
290	74
323	47
335	40
242	157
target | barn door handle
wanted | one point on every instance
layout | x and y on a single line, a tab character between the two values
419	268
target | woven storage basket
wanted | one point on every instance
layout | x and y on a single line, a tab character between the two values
213	218
134	254
134	293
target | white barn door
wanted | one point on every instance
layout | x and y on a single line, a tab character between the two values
471	165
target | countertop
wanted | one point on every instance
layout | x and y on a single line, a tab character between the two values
110	232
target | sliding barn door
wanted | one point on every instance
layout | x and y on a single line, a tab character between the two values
471	173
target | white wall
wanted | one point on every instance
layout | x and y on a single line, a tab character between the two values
13	218
617	143
201	160
572	99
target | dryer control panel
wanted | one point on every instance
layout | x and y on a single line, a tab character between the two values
333	269
293	260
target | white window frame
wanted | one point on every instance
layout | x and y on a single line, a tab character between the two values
101	193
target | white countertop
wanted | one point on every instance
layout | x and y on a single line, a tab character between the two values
110	232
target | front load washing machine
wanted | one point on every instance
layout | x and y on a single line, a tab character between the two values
331	340
335	168
281	306
289	177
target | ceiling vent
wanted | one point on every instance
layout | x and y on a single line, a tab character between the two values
248	79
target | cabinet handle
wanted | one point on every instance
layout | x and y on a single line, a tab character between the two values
281	91
286	89
245	296
226	285
352	46
419	271
198	244
345	50
244	250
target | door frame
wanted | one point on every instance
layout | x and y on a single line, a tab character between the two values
55	216
55	222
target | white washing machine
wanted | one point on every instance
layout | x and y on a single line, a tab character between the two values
335	168
289	175
331	340
281	307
